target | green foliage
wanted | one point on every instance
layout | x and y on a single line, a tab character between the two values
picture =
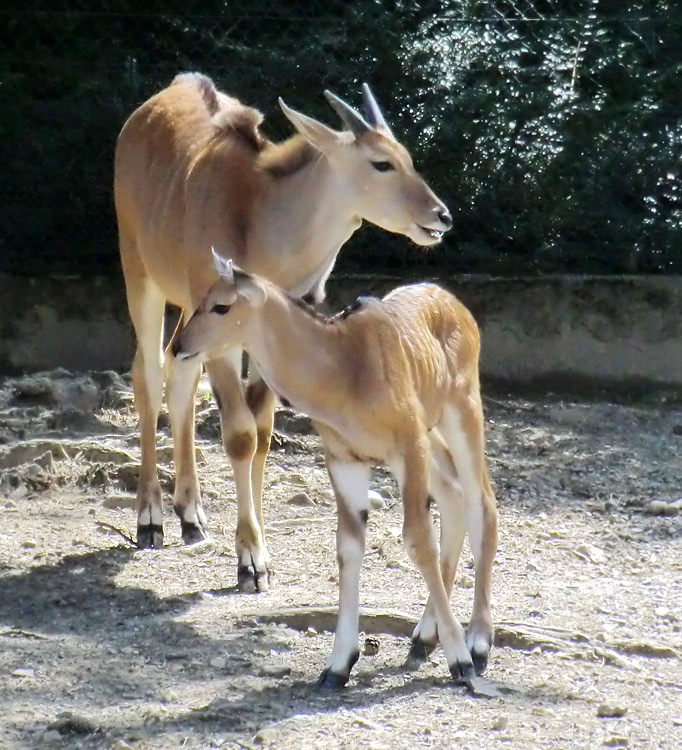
552	128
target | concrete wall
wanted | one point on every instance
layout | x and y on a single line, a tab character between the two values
547	332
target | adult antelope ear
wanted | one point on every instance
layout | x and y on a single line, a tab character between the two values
223	265
249	287
314	132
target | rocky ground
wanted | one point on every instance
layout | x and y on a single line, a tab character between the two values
105	646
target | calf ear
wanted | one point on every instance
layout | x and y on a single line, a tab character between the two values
249	287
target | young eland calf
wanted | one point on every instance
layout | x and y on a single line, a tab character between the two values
394	382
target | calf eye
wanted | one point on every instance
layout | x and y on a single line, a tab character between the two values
220	309
383	166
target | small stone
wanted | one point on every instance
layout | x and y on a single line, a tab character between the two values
218	662
661	508
301	500
610	711
117	502
169	697
29	544
51	735
20	492
266	736
376	500
591	553
500	723
616	741
328	496
120	745
202	547
297	478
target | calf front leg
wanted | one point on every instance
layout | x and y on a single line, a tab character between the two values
240	440
261	401
350	480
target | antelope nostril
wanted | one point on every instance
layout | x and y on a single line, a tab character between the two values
446	217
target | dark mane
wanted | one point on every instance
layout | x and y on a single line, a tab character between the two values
283	159
317	314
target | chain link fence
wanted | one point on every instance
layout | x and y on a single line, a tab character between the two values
552	128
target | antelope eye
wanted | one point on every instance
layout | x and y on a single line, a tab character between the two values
220	309
382	166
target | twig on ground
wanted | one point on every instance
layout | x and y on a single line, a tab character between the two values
104	525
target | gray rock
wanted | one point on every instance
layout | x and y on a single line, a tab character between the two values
301	499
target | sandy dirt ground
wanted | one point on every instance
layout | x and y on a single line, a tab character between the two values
106	646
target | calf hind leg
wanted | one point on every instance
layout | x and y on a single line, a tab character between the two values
444	487
463	429
422	548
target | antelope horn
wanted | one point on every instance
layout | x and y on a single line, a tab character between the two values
351	117
373	112
223	265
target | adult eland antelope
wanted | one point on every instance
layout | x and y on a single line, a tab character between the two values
192	171
397	382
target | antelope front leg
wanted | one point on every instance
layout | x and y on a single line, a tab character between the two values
183	378
351	483
146	305
239	439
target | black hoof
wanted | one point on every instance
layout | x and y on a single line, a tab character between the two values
336	680
480	661
251	581
420	650
191	532
331	681
462	672
150	536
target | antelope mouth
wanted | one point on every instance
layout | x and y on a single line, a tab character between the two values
429	235
435	234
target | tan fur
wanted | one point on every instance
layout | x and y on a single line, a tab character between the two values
192	172
394	382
